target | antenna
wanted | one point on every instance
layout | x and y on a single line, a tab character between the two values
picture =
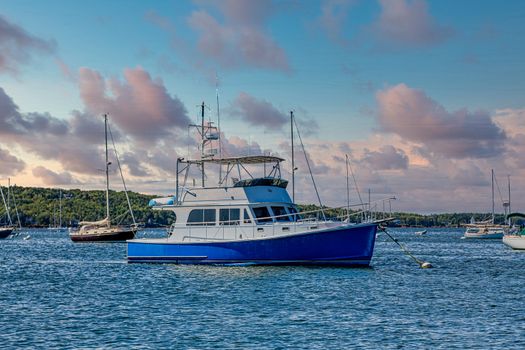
218	123
293	157
202	148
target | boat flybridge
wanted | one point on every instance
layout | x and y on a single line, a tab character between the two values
248	220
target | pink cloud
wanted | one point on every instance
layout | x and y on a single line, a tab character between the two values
408	23
241	39
258	112
411	114
140	106
17	46
50	177
9	164
387	157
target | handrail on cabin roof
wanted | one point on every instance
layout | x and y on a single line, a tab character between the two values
237	160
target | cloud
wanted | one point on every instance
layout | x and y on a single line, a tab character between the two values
12	122
50	177
241	40
388	157
17	46
140	106
334	14
414	116
408	23
257	112
513	122
9	164
237	147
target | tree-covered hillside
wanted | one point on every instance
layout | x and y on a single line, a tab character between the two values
41	207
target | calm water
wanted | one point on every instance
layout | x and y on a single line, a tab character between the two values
56	294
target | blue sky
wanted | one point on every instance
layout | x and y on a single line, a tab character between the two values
426	96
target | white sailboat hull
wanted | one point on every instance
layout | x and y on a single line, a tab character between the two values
515	241
480	235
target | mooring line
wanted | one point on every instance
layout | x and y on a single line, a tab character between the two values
422	264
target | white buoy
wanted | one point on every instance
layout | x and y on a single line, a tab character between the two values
426	265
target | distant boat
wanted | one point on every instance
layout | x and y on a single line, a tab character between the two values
516	237
485	229
103	230
7	228
421	233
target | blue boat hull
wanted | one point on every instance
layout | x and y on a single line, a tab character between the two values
342	246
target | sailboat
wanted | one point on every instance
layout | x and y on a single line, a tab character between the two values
485	229
103	230
56	226
516	236
7	228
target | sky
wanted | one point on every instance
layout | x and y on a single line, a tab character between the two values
424	97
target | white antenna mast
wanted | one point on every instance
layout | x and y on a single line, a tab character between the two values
218	123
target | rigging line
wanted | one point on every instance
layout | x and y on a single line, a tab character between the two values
355	184
5	205
499	190
16	211
422	264
122	176
309	169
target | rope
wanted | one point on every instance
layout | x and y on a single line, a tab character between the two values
122	177
309	168
422	264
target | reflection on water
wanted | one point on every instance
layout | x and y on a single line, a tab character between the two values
57	294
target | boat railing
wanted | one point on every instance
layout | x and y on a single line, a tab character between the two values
273	225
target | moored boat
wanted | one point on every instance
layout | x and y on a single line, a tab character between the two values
484	231
251	221
103	230
6	231
7	228
516	237
487	229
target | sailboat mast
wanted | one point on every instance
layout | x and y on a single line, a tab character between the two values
347	190
509	209
293	157
60	209
492	173
8	194
107	165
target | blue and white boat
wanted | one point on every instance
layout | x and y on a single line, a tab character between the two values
251	221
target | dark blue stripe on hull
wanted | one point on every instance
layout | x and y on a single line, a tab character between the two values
350	245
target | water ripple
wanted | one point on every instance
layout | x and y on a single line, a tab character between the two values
56	294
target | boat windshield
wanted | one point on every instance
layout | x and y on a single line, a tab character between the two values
280	214
262	215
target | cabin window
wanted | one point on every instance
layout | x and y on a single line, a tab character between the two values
293	211
280	214
247	219
229	216
262	214
201	217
